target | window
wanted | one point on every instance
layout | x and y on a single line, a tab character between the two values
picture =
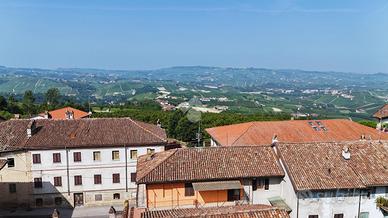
266	184
97	179
115	155
339	215
57	181
39	202
313	216
96	156
150	150
254	184
189	190
56	157
133	154
77	156
364	215
38	182
116	178
77	180
12	188
98	197
36	159
133	177
116	196
11	162
234	194
58	201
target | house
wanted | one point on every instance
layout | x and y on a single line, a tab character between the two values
73	162
66	113
208	177
382	116
335	179
239	211
264	133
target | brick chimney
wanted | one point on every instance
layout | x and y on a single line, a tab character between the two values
69	115
31	128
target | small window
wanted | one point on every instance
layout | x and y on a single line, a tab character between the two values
39	202
313	216
133	177
266	184
98	197
77	180
77	156
57	181
56	157
11	162
339	215
364	215
96	156
116	196
97	179
116	178
133	154
115	155
36	159
234	194
189	190
254	184
58	200
12	188
37	182
150	150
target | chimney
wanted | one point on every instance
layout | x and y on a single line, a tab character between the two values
274	140
30	128
17	116
46	115
158	123
346	153
69	115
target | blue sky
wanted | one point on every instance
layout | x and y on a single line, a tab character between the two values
346	35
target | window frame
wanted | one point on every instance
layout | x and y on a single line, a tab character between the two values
339	215
58	181
266	184
36	159
11	160
151	150
94	155
189	190
131	156
133	177
57	158
114	196
97	178
116	178
38	183
77	156
77	180
113	155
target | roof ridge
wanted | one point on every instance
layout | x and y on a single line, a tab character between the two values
252	124
164	160
147	130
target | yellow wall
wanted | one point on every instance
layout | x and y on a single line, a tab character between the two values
173	195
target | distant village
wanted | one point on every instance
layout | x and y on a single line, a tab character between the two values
276	169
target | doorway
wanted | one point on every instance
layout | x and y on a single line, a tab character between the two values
78	199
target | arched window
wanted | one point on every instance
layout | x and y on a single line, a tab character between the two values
116	196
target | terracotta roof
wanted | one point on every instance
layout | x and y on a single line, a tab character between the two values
243	211
319	166
3	162
261	133
51	134
382	112
203	164
60	114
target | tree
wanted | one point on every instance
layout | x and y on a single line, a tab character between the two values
28	102
52	96
3	103
186	130
173	123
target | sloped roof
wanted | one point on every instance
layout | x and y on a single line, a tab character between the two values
242	211
60	114
261	133
320	166
203	164
3	162
51	134
382	112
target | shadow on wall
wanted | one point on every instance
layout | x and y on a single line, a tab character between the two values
28	199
